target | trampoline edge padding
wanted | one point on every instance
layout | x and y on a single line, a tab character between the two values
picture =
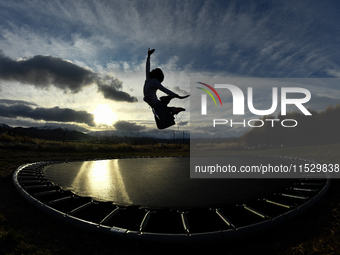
163	237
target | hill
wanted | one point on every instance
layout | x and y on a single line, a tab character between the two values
320	128
46	133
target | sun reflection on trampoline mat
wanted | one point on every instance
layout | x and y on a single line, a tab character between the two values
154	183
95	179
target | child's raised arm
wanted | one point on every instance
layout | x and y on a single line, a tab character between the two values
147	69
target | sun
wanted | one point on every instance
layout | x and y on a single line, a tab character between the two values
103	114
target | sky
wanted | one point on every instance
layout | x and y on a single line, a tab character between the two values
81	64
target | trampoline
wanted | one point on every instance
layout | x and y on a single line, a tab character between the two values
155	199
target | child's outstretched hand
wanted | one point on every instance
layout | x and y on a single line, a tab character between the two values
183	97
150	52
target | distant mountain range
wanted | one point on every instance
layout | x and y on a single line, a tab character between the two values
63	134
56	133
141	134
45	132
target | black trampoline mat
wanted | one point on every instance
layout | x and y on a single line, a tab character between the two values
157	182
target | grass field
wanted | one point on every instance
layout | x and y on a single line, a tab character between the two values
25	230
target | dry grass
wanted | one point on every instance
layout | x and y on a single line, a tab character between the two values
25	230
26	143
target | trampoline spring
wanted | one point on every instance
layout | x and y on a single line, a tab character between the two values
78	209
111	214
27	171
250	209
310	184
277	203
224	218
44	193
307	190
185	222
27	174
59	200
145	221
35	181
36	186
293	196
28	177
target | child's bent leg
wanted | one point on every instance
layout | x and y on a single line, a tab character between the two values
166	99
176	110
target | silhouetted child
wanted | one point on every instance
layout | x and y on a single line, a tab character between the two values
164	115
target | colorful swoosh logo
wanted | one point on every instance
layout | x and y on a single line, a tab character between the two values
208	92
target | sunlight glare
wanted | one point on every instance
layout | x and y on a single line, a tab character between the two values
103	114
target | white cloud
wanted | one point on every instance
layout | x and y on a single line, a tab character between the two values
335	73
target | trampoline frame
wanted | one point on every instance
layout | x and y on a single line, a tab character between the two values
31	174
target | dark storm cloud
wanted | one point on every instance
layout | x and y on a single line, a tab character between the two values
44	71
46	114
127	126
181	91
110	88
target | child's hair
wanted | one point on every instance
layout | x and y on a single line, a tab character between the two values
157	74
